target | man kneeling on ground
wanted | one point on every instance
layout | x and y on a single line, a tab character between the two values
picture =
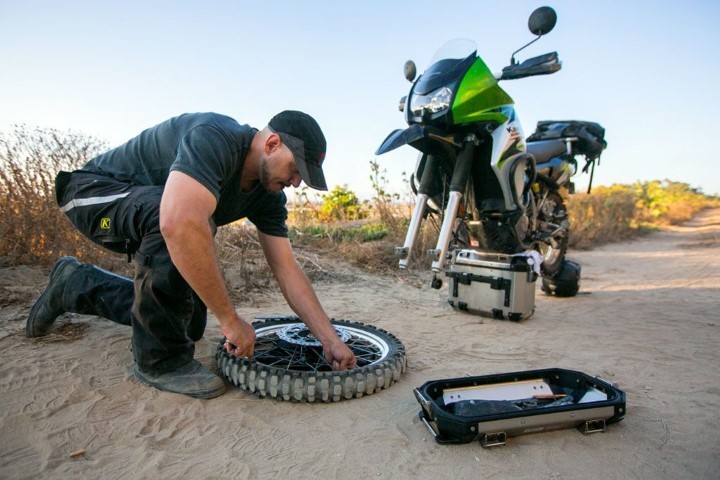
160	198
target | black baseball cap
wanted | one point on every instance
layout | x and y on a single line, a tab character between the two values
302	134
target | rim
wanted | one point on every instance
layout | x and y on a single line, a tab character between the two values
292	347
549	253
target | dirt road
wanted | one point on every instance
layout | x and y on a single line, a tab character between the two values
647	318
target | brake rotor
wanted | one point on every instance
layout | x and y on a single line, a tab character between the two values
299	334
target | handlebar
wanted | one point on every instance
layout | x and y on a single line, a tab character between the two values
540	65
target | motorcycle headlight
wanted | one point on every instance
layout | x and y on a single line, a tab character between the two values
435	101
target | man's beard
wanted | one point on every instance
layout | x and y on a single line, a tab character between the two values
264	174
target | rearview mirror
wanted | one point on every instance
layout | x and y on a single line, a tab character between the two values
542	20
410	70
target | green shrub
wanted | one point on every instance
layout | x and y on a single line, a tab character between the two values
341	204
373	231
338	233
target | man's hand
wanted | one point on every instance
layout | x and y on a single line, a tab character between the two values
240	337
302	299
339	356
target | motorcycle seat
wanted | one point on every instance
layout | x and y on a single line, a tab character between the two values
544	150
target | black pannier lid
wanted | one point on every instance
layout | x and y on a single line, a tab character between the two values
591	135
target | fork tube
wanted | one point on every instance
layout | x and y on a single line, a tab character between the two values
460	177
413	230
426	182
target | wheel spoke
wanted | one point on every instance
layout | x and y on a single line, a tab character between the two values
320	363
287	347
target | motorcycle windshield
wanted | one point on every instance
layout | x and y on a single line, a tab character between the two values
448	64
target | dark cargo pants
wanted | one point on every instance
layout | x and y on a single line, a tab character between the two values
166	316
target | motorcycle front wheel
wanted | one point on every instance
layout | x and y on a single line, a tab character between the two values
288	363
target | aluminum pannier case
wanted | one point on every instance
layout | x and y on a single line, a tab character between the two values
492	284
491	408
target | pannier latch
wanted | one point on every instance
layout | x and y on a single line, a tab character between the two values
496	439
592	426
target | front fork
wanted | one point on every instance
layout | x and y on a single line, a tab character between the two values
426	183
414	228
461	174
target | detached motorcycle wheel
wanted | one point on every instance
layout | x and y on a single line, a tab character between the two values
289	365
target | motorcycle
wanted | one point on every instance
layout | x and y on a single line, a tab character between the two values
493	189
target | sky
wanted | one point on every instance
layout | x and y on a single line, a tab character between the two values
645	70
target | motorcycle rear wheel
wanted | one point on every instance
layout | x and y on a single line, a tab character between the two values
288	363
502	237
553	212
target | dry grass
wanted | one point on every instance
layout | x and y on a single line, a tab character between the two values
608	214
34	231
619	212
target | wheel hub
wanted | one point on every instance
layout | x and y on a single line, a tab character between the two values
300	335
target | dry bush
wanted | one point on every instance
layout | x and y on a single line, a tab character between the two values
369	243
669	203
238	250
620	212
32	228
394	210
241	259
246	271
606	215
609	214
679	213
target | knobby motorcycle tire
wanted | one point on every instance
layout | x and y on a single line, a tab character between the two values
314	386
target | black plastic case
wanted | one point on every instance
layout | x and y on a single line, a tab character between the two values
459	410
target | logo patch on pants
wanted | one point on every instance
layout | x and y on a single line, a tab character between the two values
105	223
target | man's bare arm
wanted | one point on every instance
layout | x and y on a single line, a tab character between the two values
185	211
302	300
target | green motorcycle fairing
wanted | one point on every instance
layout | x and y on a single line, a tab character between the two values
479	97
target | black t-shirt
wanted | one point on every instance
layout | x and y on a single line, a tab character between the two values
209	147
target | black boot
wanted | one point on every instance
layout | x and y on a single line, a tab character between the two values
50	304
192	379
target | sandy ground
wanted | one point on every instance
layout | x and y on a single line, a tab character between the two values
647	319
